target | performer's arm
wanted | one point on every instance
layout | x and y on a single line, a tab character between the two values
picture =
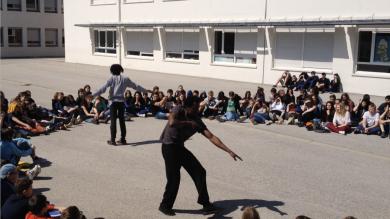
217	142
103	89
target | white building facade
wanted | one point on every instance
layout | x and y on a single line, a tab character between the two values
32	28
249	40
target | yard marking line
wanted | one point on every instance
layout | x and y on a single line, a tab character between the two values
314	142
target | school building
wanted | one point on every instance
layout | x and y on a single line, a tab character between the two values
248	40
32	28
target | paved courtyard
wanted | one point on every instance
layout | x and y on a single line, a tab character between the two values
287	171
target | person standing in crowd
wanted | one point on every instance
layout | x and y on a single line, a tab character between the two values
183	122
117	84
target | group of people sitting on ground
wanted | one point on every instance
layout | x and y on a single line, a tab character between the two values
305	82
18	200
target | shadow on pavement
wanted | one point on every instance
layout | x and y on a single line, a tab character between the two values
43	178
40	190
144	142
229	206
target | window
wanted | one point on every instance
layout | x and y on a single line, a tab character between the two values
235	46
15	37
1	37
63	38
374	51
33	37
140	43
14	5
304	50
105	41
32	5
182	45
51	37
50	6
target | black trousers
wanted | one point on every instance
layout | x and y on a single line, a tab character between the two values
117	110
175	157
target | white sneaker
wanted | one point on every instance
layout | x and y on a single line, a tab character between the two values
342	132
34	172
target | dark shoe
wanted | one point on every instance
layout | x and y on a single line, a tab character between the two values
167	211
111	143
122	142
383	135
210	209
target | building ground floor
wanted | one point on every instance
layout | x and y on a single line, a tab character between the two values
360	54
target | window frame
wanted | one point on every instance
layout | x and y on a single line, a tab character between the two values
14	9
21	37
51	11
37	9
372	55
105	48
180	56
39	44
46	42
235	56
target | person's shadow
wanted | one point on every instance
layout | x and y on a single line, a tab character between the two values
229	206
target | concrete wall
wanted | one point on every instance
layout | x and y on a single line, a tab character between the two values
79	47
24	19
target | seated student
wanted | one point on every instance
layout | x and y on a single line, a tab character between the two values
101	110
290	95
383	106
80	97
147	101
300	100
155	90
157	107
328	113
271	97
202	96
260	96
231	110
180	98
300	84
70	106
291	113
87	90
246	104
384	122
260	113
284	97
277	109
9	175
87	112
4	102
285	80
170	100
39	208
332	98
370	123
359	110
341	120
139	105
195	93
23	121
208	106
323	83
311	81
294	81
72	212
16	206
222	102
129	107
308	112
335	84
250	213
349	104
179	91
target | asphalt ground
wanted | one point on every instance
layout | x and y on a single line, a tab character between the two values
287	171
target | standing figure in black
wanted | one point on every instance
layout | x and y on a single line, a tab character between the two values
118	84
183	122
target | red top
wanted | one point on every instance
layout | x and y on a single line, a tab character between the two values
30	215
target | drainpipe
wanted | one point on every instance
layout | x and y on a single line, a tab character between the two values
264	42
119	31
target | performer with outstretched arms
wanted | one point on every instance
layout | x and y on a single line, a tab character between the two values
183	122
118	84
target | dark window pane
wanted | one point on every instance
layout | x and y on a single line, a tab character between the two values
364	53
114	39
218	42
373	68
229	43
191	56
382	48
102	39
96	35
110	40
174	55
133	53
112	51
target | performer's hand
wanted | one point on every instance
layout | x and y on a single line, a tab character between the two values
235	156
